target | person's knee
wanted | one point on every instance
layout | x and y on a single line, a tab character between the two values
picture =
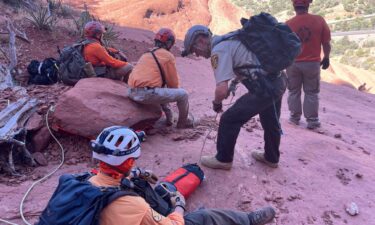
183	95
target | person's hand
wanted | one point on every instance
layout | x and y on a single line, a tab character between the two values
178	200
147	175
217	107
325	63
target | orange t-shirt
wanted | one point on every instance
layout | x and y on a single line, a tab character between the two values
146	72
313	32
131	210
98	56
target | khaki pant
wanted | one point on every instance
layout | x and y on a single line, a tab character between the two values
162	97
304	75
121	73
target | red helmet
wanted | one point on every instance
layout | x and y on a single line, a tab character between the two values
304	3
93	28
165	36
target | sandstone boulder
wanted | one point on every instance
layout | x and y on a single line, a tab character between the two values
95	103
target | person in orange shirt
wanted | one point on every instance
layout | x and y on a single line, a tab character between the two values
117	148
305	71
105	65
155	80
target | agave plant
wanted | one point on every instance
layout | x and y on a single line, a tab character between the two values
42	18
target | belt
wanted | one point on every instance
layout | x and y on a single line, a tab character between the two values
142	88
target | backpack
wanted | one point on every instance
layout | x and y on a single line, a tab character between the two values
275	44
77	202
72	63
43	73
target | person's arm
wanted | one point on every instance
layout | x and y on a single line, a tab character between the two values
326	49
171	75
221	91
103	56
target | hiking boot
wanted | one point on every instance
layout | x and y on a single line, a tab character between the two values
293	121
259	156
213	163
262	216
311	125
190	123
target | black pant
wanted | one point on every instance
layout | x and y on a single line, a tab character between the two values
246	107
217	217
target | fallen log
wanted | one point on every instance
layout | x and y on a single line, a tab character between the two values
13	133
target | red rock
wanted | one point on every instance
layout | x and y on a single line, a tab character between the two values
96	103
40	159
41	139
34	123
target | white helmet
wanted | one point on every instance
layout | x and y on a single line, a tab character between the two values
116	144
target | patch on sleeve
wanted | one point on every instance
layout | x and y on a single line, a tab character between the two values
214	61
156	216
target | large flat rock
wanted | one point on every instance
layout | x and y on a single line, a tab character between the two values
96	103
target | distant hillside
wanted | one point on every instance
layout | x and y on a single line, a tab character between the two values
334	11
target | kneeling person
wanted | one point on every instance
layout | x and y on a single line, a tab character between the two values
155	80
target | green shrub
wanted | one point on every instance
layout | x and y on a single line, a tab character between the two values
42	18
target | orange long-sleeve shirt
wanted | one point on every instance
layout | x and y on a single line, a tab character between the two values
131	210
147	74
98	56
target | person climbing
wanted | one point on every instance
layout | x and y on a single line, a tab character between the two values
101	58
117	149
155	80
305	71
231	60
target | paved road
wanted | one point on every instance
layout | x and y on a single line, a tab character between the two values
357	32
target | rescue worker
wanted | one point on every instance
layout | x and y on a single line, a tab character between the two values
102	58
155	80
228	58
134	210
305	71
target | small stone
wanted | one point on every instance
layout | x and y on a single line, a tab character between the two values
268	198
359	176
72	161
40	158
338	136
366	152
352	209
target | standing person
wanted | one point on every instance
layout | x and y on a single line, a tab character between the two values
105	65
305	72
117	149
155	80
231	59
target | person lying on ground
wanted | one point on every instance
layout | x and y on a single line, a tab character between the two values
155	80
117	149
107	62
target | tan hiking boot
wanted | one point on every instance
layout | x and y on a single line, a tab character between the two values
213	163
262	216
259	156
311	125
190	123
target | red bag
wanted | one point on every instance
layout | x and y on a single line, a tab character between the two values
186	179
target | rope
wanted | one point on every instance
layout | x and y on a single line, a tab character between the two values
48	175
7	222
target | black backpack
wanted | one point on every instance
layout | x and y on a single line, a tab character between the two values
77	202
275	44
43	73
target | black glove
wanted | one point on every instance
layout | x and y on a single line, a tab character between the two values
325	63
217	107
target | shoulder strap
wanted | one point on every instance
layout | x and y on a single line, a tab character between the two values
160	69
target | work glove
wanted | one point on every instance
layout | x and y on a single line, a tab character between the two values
217	107
147	175
325	63
178	200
